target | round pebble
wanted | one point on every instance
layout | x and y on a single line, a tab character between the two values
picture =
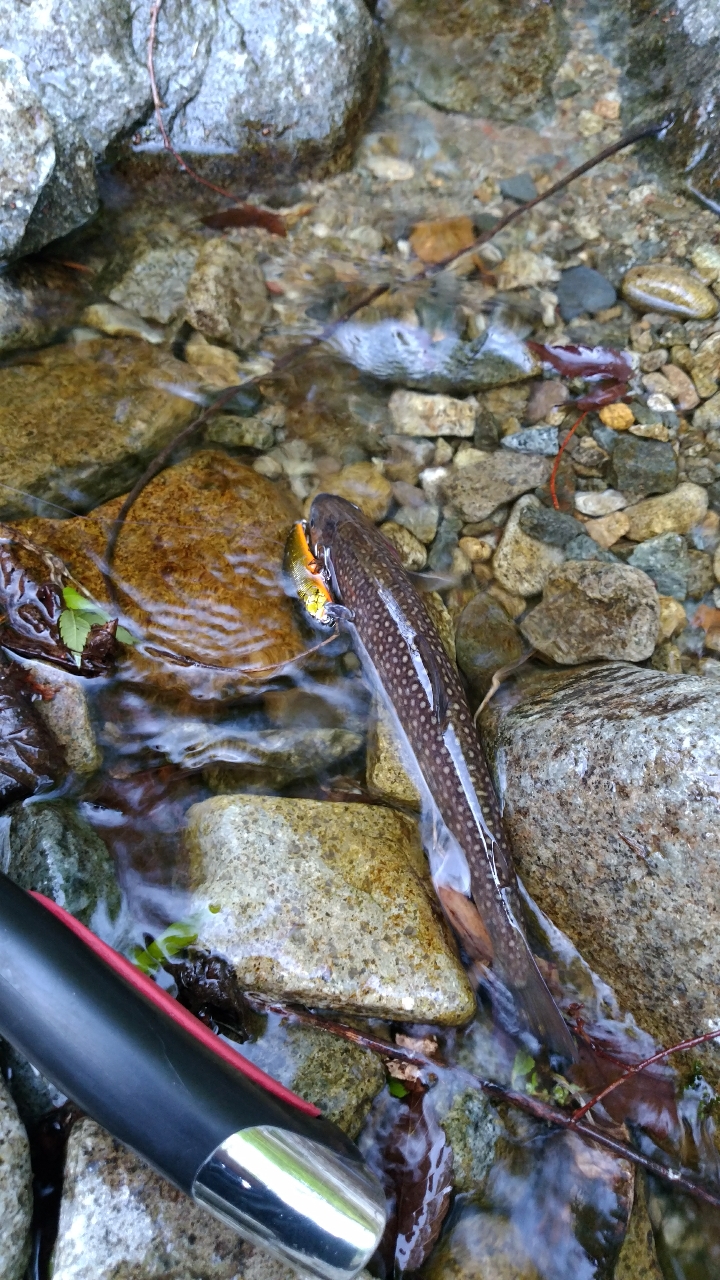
618	416
486	640
658	287
582	289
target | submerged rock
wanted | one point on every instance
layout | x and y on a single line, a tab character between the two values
272	758
65	711
343	915
659	287
642	467
665	559
522	564
494	479
674	512
226	297
395	351
16	1202
595	610
582	289
386	775
156	281
79	424
49	847
204	587
473	1129
612	799
486	640
27	755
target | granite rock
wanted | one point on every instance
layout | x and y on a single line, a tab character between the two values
585	758
414	414
665	559
674	512
595	610
642	467
486	639
473	1129
226	298
522	564
51	848
16	1202
155	283
342	917
27	150
496	478
547	525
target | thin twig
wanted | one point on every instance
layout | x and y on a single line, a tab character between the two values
523	1101
499	676
561	450
628	1072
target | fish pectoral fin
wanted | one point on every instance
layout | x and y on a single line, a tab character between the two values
339	613
441	703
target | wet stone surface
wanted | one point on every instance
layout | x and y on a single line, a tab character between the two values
320	925
15	1191
595	610
50	848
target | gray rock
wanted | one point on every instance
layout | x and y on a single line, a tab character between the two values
473	1130
665	559
595	610
338	1077
27	152
521	188
155	283
241	433
542	440
485	640
272	758
49	847
226	298
441	552
478	488
395	351
32	311
341	917
120	1218
642	466
548	525
585	758
585	548
582	289
67	715
422	521
70	195
522	564
15	1191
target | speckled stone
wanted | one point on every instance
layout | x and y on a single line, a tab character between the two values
638	1258
707	417
414	414
641	467
674	512
16	1203
595	610
226	297
422	521
67	716
496	478
363	484
473	1130
486	639
385	773
660	287
342	916
672	617
412	552
522	565
594	755
665	559
547	525
51	848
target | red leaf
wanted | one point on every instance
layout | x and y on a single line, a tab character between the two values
584	362
418	1176
247	215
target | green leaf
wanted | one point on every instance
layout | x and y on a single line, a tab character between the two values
142	959
74	630
522	1066
214	907
397	1088
73	600
123	635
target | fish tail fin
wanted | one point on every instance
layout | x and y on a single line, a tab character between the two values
524	1003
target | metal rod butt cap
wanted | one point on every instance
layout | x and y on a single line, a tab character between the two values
322	1212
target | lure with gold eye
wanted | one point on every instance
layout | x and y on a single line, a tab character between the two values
307	577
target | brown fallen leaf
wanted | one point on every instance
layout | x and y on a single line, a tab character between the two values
467	924
247	215
435	241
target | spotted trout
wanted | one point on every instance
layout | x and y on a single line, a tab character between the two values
400	646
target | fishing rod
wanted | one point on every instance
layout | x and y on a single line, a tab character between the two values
241	1145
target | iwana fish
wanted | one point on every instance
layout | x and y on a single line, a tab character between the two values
402	651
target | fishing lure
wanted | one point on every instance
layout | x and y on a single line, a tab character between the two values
307	577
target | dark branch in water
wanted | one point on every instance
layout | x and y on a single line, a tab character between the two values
524	1101
161	459
640	1066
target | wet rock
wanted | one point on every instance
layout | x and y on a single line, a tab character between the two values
664	559
204	587
118	322
547	525
706	261
607	530
637	1259
365	485
52	849
664	288
226	298
472	1128
701	578
216	366
65	712
617	416
584	548
642	467
414	414
522	269
521	188
241	433
523	564
443	549
672	618
441	239
422	521
272	758
155	284
386	775
582	289
341	918
34	306
600	504
27	149
542	440
16	1202
674	512
682	391
80	424
338	1077
544	397
486	639
482	1246
412	552
595	610
398	352
490	60
28	755
119	1217
707	417
496	478
620	751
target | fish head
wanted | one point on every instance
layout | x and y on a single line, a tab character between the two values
328	514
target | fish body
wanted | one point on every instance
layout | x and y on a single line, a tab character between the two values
307	580
396	636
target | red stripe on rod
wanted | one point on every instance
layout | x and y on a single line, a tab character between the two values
140	982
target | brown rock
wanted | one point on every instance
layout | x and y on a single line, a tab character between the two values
609	528
198	564
438	240
486	639
682	389
544	397
363	484
497	478
595	610
227	299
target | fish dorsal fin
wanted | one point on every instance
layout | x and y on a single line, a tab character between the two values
435	676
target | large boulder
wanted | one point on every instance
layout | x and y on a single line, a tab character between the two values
283	81
611	790
15	1191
